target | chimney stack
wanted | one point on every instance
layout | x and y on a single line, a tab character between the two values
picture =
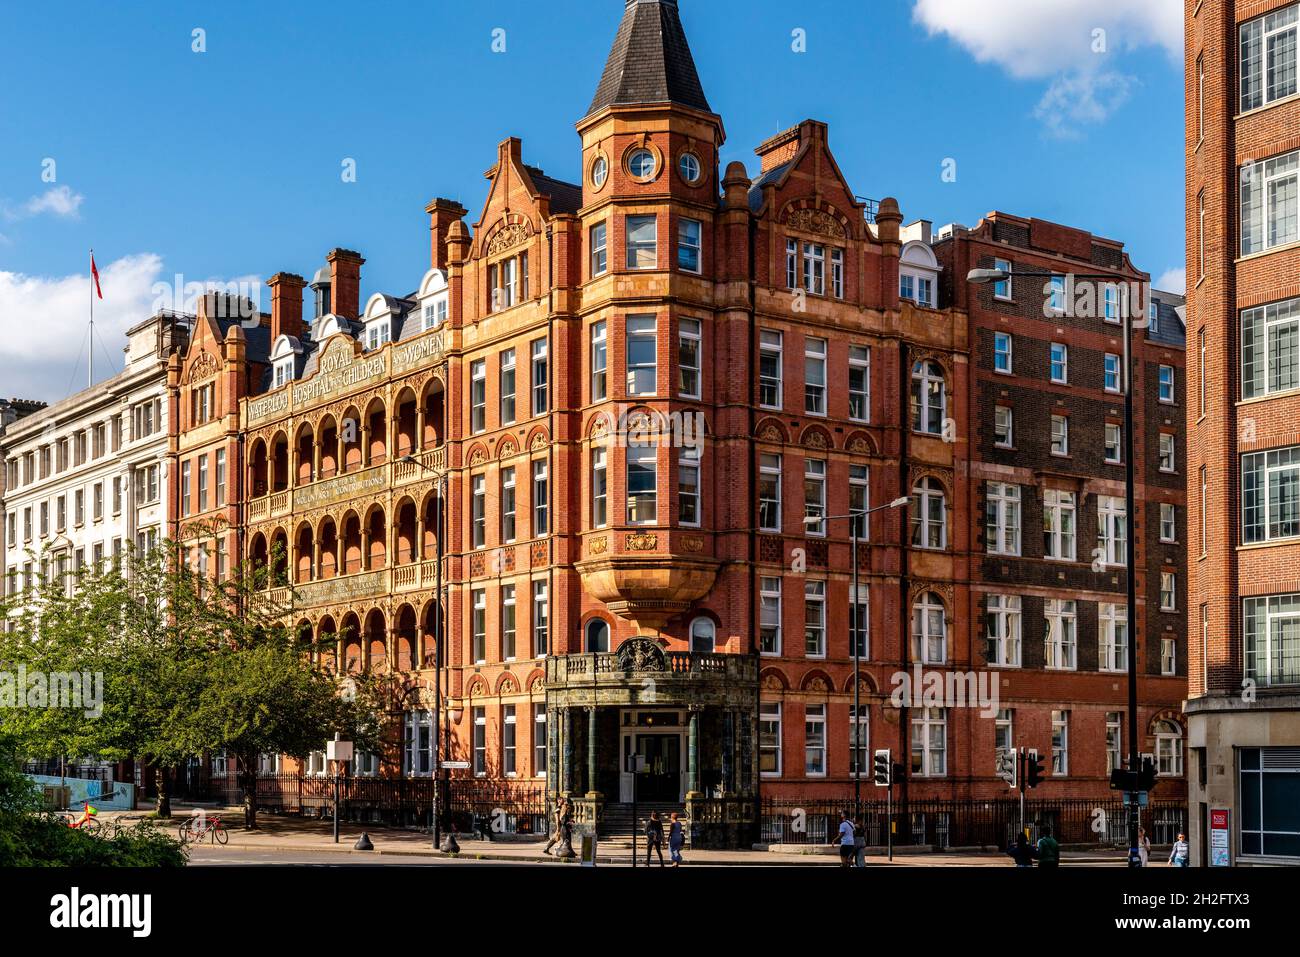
345	282
442	213
286	305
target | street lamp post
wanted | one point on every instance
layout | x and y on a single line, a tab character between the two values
853	517
985	276
437	645
338	751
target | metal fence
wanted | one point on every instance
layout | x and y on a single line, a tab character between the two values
468	805
945	824
54	769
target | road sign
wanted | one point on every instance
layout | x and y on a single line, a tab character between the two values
1143	798
456	765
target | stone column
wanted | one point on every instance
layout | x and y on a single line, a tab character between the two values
418	445
365	548
552	751
566	776
693	757
365	445
591	754
728	749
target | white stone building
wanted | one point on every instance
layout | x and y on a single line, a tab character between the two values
87	477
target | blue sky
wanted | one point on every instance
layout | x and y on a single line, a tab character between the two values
226	163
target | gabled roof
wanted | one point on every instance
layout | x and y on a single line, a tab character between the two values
650	61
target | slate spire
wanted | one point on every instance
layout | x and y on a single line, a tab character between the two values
650	61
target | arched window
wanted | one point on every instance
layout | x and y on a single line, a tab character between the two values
1169	749
929	515
597	635
929	398
703	635
929	630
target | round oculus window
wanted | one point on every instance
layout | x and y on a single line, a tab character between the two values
642	164
599	172
689	166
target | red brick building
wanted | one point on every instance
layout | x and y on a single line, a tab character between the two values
1243	428
654	401
1045	464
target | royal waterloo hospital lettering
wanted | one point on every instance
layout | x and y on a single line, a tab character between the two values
339	373
411	354
267	406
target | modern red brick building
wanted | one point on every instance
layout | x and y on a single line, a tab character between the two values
1243	428
1046	605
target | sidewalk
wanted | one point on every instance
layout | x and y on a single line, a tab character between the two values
296	834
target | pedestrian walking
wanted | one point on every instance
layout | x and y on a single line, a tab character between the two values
1021	851
654	838
846	838
676	839
1049	852
555	832
1144	848
1181	855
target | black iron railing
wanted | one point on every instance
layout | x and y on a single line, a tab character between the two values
944	824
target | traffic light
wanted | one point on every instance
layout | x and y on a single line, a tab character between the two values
1034	772
881	769
1006	768
1146	779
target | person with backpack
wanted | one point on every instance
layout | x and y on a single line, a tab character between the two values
1049	852
1181	855
847	839
654	838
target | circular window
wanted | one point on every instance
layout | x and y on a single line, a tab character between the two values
642	164
688	164
599	172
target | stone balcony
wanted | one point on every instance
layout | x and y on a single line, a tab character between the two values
640	672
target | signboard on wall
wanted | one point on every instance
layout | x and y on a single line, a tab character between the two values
1220	840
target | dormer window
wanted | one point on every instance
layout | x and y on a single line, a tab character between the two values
435	314
283	372
283	356
433	300
377	334
918	274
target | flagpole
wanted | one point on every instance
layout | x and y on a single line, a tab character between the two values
90	346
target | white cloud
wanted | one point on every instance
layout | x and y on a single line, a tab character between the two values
57	200
1074	43
1173	280
43	321
1077	99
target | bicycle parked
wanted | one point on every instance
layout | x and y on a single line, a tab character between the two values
198	828
87	820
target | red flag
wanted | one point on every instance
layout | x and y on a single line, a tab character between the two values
95	275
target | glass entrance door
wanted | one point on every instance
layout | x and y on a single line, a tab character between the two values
661	780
